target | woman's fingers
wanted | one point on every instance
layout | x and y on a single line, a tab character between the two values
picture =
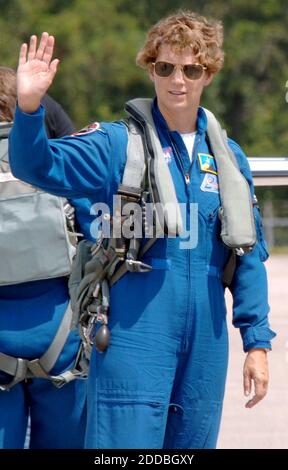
23	54
42	46
43	53
53	67
32	47
48	51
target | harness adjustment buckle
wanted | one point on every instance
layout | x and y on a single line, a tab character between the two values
135	266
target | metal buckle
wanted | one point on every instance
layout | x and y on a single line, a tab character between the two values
137	266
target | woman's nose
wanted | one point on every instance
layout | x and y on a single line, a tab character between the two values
178	74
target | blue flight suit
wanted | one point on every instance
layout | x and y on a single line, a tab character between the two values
161	382
30	314
29	319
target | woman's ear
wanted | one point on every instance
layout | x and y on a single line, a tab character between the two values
151	72
208	79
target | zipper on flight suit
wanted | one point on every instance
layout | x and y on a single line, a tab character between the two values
187	337
193	159
178	155
187	175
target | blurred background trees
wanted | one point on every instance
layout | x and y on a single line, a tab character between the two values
97	41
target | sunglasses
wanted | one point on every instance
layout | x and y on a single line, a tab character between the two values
191	71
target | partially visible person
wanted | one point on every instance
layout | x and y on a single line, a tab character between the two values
31	312
57	122
161	381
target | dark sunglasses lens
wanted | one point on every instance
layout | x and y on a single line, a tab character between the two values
164	69
193	71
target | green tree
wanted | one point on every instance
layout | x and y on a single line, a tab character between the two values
97	42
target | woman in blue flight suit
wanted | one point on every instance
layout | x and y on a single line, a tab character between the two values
161	381
30	316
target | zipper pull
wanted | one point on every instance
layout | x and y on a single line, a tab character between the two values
187	178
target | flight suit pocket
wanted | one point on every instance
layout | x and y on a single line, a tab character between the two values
130	422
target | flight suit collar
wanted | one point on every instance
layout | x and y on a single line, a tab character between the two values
161	124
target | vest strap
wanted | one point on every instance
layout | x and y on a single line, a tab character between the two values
21	369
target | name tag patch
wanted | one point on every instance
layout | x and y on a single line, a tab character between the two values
207	163
210	184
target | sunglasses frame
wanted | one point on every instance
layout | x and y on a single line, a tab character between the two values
203	67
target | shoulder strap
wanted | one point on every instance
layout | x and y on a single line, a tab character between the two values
5	129
159	177
238	225
135	167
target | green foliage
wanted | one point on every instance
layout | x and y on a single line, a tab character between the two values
97	41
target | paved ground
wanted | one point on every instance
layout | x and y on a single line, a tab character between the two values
266	425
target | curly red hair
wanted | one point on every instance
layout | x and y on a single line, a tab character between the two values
181	30
8	94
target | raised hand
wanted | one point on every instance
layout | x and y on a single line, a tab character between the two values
36	71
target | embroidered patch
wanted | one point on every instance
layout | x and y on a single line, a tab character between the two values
168	153
210	184
207	163
95	126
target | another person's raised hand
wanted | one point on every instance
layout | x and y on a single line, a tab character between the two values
36	71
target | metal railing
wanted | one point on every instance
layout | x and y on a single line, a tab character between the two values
269	171
272	172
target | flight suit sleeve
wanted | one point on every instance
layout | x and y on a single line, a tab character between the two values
249	285
81	165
